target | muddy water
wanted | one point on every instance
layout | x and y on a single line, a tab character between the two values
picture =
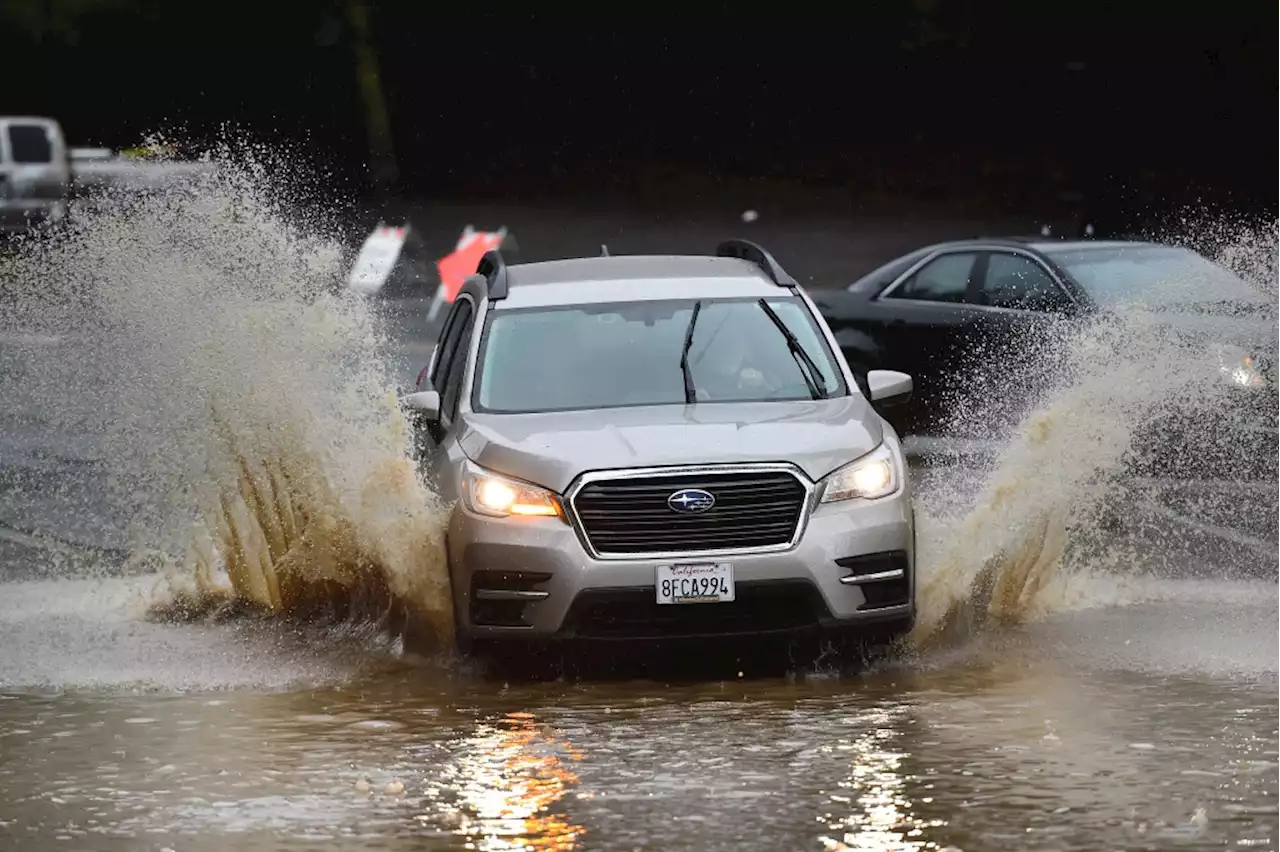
1142	717
1151	726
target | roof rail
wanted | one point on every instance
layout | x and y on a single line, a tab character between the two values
494	269
749	251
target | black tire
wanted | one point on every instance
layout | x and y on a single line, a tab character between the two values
860	645
886	634
511	659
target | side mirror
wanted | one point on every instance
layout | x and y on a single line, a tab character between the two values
889	387
422	405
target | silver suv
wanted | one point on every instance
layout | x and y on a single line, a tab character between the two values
661	447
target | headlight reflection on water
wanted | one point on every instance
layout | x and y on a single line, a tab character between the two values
508	781
1239	367
879	811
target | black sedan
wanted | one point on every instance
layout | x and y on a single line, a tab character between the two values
964	319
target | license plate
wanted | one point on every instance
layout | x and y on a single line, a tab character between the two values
706	583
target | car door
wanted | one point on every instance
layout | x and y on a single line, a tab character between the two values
1025	315
923	322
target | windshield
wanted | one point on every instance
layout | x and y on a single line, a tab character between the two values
1161	277
625	354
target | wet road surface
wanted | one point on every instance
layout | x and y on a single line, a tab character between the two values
1147	727
1145	718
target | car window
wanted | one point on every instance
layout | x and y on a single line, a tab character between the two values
29	144
943	279
1014	281
453	328
1154	276
457	366
882	276
626	354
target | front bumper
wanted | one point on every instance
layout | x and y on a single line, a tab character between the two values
853	566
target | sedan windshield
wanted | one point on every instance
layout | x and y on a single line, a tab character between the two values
1157	277
626	354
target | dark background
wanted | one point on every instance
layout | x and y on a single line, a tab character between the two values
1113	112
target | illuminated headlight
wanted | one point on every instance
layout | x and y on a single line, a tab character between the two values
489	494
1239	367
874	475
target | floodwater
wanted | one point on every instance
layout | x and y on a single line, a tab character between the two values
1151	726
1096	686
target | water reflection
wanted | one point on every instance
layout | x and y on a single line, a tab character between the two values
879	813
508	779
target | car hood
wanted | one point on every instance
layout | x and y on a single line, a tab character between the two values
552	449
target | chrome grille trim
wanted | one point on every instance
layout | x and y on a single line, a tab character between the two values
691	472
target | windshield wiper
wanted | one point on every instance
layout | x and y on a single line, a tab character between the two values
809	370
690	396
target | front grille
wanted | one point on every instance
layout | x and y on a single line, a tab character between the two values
753	509
760	609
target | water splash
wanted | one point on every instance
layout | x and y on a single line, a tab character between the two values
243	401
1031	539
246	419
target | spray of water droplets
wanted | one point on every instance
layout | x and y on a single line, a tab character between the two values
244	403
243	400
1137	394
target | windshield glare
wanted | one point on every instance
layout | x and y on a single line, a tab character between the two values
626	354
1153	276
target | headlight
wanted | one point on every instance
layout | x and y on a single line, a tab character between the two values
1239	367
489	494
874	475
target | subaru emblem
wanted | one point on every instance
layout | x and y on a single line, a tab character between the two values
691	501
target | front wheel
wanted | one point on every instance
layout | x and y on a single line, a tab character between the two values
513	659
861	646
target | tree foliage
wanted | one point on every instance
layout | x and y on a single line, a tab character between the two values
939	24
45	22
373	98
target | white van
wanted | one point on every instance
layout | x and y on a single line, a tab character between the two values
35	173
